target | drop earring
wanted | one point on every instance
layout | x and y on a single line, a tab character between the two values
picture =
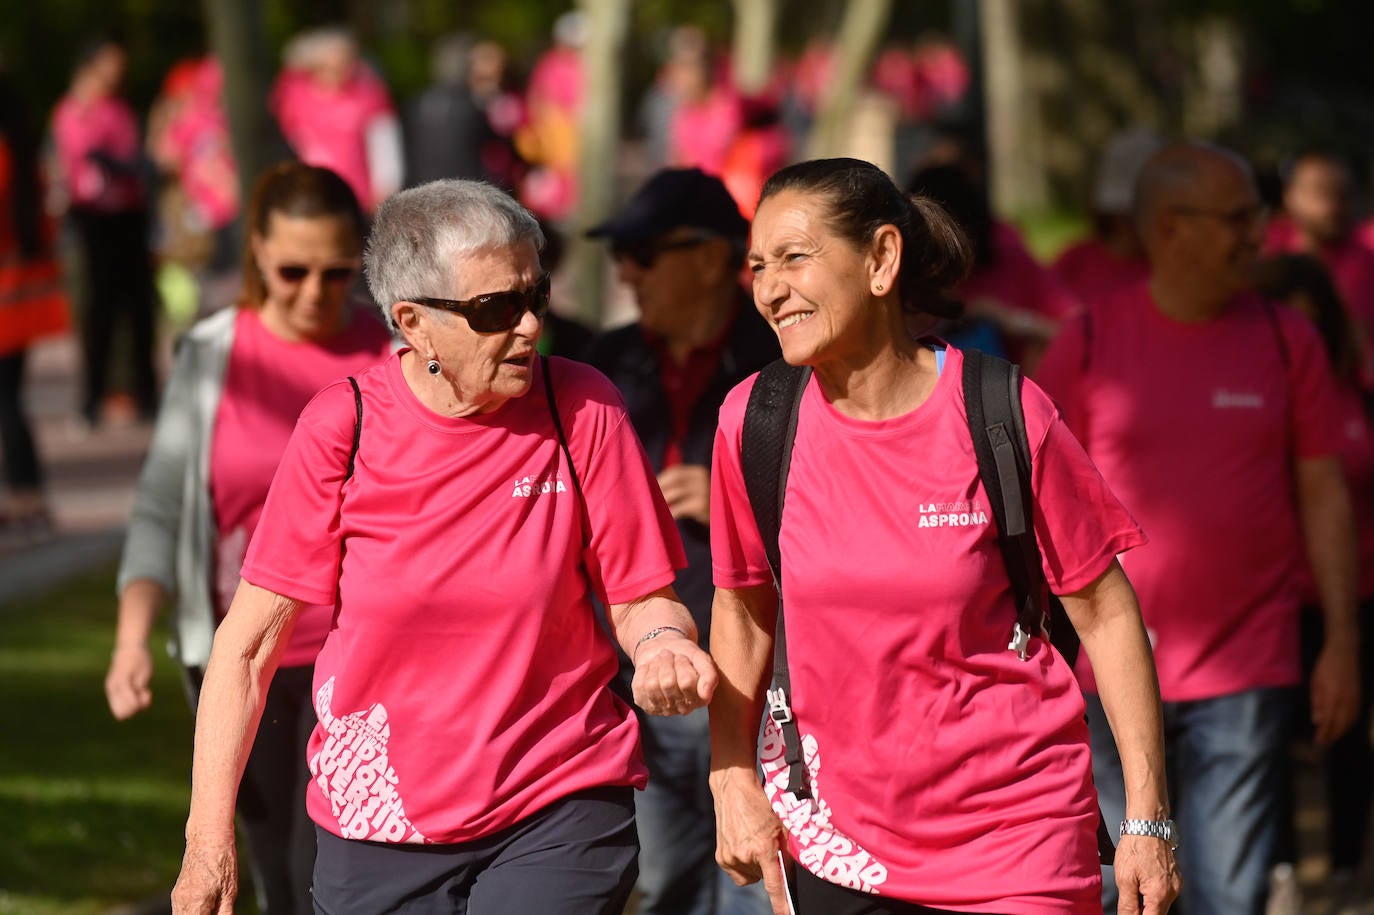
433	366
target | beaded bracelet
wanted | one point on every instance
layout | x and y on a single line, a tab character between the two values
653	634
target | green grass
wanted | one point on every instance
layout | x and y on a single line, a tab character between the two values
91	810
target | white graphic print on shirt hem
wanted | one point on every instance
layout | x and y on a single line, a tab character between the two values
352	770
823	850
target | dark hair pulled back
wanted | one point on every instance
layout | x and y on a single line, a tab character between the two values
297	191
859	199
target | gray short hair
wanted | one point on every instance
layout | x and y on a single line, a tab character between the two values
420	233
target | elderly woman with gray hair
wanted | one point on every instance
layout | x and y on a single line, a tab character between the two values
459	504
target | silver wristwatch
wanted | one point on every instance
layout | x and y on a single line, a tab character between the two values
1155	829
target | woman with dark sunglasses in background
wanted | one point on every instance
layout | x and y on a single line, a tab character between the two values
460	502
240	380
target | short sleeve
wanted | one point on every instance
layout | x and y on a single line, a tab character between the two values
295	550
1314	413
738	556
1060	372
635	546
1080	525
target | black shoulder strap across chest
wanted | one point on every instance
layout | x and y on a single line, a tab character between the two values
992	394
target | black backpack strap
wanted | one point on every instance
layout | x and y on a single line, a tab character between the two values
991	386
546	371
357	426
770	429
997	424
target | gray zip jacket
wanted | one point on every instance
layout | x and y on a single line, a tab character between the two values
171	530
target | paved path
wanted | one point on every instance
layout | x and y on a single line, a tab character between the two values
90	478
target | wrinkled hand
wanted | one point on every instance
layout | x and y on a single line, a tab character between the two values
673	676
208	881
1335	690
687	490
749	835
1145	868
127	682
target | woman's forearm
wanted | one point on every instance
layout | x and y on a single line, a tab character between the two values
248	646
742	645
1108	621
139	604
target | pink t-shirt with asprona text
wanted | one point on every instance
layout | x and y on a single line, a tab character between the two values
464	685
948	771
1196	426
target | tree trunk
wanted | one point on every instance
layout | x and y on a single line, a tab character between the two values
1016	167
755	31
238	40
598	146
862	28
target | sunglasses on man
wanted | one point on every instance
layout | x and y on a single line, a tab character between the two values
645	253
495	312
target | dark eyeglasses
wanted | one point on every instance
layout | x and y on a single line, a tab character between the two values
495	311
646	253
330	276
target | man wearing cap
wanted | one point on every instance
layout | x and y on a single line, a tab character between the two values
678	243
1096	268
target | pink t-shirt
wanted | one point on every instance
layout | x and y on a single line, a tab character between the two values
1017	279
104	126
1357	460
327	126
266	385
1092	273
1196	427
948	772
464	685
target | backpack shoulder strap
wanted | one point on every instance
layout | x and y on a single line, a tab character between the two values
547	371
770	429
357	427
997	424
992	398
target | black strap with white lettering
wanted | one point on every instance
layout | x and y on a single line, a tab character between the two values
770	429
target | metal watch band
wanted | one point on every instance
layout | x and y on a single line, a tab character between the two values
1157	829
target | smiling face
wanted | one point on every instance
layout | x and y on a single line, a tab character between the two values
308	265
817	290
485	370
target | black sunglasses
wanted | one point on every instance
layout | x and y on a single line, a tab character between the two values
646	253
332	276
496	311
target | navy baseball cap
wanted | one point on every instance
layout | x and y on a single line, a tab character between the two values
676	198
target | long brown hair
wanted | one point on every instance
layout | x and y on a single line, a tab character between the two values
1283	276
298	191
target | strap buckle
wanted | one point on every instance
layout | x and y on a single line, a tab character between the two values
778	708
1020	641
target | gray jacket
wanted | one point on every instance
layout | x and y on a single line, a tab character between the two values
171	530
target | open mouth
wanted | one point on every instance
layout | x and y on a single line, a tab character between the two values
521	361
794	319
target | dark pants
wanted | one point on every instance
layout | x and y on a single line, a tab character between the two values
16	438
574	857
820	897
1347	763
119	287
271	800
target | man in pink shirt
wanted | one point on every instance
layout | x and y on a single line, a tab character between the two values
1211	413
1318	193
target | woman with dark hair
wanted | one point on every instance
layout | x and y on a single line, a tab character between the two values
32	305
240	380
947	771
1303	282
